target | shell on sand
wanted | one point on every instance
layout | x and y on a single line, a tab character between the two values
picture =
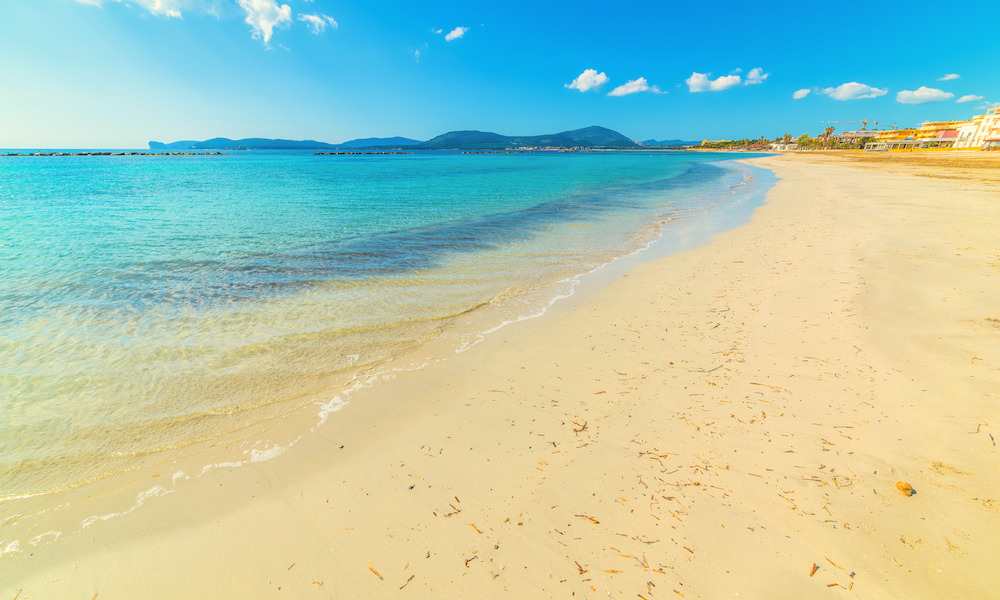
904	488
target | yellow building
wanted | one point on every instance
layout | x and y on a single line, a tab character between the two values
939	134
894	139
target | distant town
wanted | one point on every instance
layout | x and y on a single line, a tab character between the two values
981	132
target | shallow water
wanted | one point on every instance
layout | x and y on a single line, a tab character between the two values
149	302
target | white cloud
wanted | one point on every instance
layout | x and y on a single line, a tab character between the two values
854	91
800	94
160	8
264	15
318	23
756	75
922	95
456	33
969	98
636	85
949	77
588	80
699	82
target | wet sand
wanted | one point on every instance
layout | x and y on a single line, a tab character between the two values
731	421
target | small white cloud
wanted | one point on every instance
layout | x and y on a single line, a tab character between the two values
854	91
949	77
922	95
800	94
699	82
634	86
756	75
969	98
264	15
419	52
588	80
318	23
456	33
160	8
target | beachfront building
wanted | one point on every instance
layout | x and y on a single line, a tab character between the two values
855	137
939	134
893	139
987	134
967	133
982	131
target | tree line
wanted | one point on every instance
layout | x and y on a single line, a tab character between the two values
824	141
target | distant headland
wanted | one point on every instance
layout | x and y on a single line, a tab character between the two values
588	137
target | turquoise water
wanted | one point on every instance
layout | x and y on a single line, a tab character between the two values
148	302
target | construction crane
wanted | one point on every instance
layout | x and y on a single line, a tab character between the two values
864	124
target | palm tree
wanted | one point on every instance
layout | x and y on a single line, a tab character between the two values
826	135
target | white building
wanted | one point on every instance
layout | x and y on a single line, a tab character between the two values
982	132
988	134
967	133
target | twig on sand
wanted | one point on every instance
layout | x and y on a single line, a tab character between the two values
581	427
377	574
773	387
407	582
592	519
582	570
468	560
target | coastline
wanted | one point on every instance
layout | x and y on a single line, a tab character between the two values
731	419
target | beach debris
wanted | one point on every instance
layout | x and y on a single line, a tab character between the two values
377	574
814	569
592	519
904	488
468	560
407	582
581	427
582	570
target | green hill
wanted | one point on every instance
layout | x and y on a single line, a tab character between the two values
589	137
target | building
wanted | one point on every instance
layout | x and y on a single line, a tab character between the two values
967	133
939	134
987	135
894	139
854	137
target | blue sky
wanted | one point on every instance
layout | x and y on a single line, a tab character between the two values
118	73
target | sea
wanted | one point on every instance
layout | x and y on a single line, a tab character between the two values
148	303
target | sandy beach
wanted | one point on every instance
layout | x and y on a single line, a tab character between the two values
735	421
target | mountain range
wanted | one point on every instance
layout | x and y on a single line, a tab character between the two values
588	137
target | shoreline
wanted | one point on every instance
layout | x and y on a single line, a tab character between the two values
733	418
459	328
